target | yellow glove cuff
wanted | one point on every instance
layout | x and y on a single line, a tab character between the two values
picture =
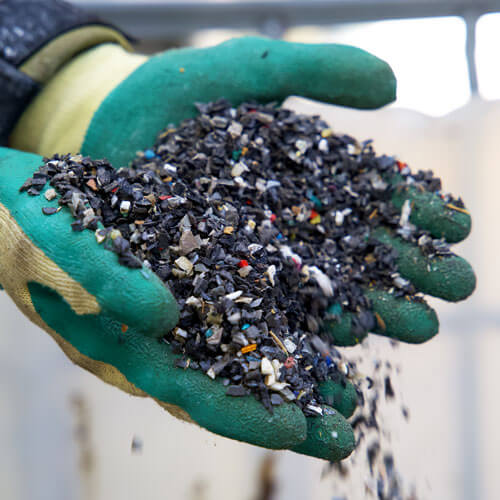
58	118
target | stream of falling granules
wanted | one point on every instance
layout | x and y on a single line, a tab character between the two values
259	221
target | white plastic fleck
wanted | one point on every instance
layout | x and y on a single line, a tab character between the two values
235	129
234	295
266	367
125	207
234	318
239	169
290	346
405	213
271	273
193	301
50	194
316	409
278	386
323	146
272	184
276	367
400	282
287	252
302	145
180	334
245	271
339	218
322	279
185	264
270	379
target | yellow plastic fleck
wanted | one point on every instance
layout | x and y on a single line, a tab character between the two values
181	70
316	220
228	230
458	209
278	342
115	234
380	321
327	132
248	348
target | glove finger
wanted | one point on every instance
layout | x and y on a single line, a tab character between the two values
448	277
329	437
407	320
150	365
144	303
340	396
273	70
430	212
164	89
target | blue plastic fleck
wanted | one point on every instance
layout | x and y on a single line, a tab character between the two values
149	154
209	333
279	237
245	326
315	200
329	361
335	309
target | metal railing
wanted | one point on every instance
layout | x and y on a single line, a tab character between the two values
167	20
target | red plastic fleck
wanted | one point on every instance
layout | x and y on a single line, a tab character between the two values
313	214
243	263
272	218
401	165
290	361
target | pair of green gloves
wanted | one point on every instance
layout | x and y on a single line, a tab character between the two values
107	102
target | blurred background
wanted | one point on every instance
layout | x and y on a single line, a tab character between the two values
64	434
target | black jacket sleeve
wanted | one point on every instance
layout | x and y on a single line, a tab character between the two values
25	27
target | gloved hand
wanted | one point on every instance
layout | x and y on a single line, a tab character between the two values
108	103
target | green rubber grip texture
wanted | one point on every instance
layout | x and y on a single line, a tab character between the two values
329	437
409	321
431	213
342	398
450	278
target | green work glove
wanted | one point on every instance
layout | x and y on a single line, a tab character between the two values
114	103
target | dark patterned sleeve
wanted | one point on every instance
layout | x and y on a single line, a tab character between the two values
25	27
